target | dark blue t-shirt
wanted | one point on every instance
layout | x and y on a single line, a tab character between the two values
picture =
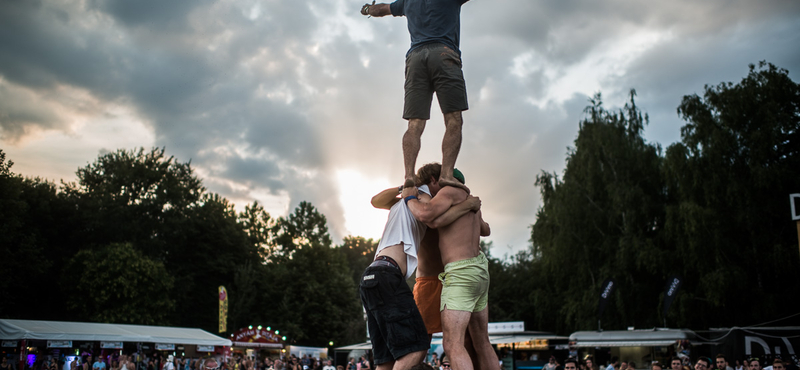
431	21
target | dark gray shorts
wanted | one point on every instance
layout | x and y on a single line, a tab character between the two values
393	320
429	68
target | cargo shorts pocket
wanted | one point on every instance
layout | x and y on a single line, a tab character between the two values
402	329
371	296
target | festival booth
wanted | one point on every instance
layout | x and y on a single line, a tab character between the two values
28	340
257	342
640	345
519	349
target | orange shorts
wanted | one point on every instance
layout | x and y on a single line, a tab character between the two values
428	295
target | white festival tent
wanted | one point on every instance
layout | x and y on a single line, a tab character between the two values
96	332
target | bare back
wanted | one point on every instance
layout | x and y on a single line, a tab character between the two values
428	257
459	240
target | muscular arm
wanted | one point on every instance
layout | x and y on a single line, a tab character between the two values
427	212
455	212
376	10
385	199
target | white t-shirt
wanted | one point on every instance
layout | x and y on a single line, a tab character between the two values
402	227
328	367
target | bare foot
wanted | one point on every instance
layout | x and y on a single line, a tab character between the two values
452	182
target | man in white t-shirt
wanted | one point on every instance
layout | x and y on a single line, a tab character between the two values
328	365
392	315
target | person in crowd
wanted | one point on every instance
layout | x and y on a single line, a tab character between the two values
364	363
722	363
676	363
631	365
551	364
738	365
655	365
703	363
588	361
328	365
570	364
777	364
623	365
614	364
99	364
754	363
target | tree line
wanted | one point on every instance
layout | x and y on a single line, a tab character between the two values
138	239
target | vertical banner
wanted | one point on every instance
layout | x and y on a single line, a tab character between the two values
607	288
673	284
223	309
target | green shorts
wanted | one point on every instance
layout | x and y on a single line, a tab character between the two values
465	284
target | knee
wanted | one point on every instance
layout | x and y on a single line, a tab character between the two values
415	127
453	120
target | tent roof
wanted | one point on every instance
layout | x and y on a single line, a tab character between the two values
88	331
630	338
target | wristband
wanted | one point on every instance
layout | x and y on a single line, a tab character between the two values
406	199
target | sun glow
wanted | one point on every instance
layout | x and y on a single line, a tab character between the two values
355	193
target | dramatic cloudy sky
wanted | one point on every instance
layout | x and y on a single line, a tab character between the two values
280	101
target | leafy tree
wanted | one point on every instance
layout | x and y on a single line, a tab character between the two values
729	180
358	252
135	196
601	221
118	284
35	229
309	293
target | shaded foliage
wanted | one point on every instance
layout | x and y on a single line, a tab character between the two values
118	284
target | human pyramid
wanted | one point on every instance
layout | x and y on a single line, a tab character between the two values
434	225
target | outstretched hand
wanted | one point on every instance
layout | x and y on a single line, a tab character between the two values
365	8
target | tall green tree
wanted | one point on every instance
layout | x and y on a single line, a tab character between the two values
36	226
309	293
135	196
601	221
728	217
118	284
358	252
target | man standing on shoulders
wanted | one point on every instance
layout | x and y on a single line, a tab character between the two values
398	334
433	64
466	275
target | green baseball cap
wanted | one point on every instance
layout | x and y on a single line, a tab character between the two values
458	175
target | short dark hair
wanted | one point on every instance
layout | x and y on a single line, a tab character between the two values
675	358
614	359
422	366
571	360
722	357
706	360
428	171
777	361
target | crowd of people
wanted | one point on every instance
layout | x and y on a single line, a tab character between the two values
169	362
720	362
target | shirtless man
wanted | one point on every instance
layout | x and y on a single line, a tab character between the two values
465	278
397	331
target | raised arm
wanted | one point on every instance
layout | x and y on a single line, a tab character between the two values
386	199
471	204
376	10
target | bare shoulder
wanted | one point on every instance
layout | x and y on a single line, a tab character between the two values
453	193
